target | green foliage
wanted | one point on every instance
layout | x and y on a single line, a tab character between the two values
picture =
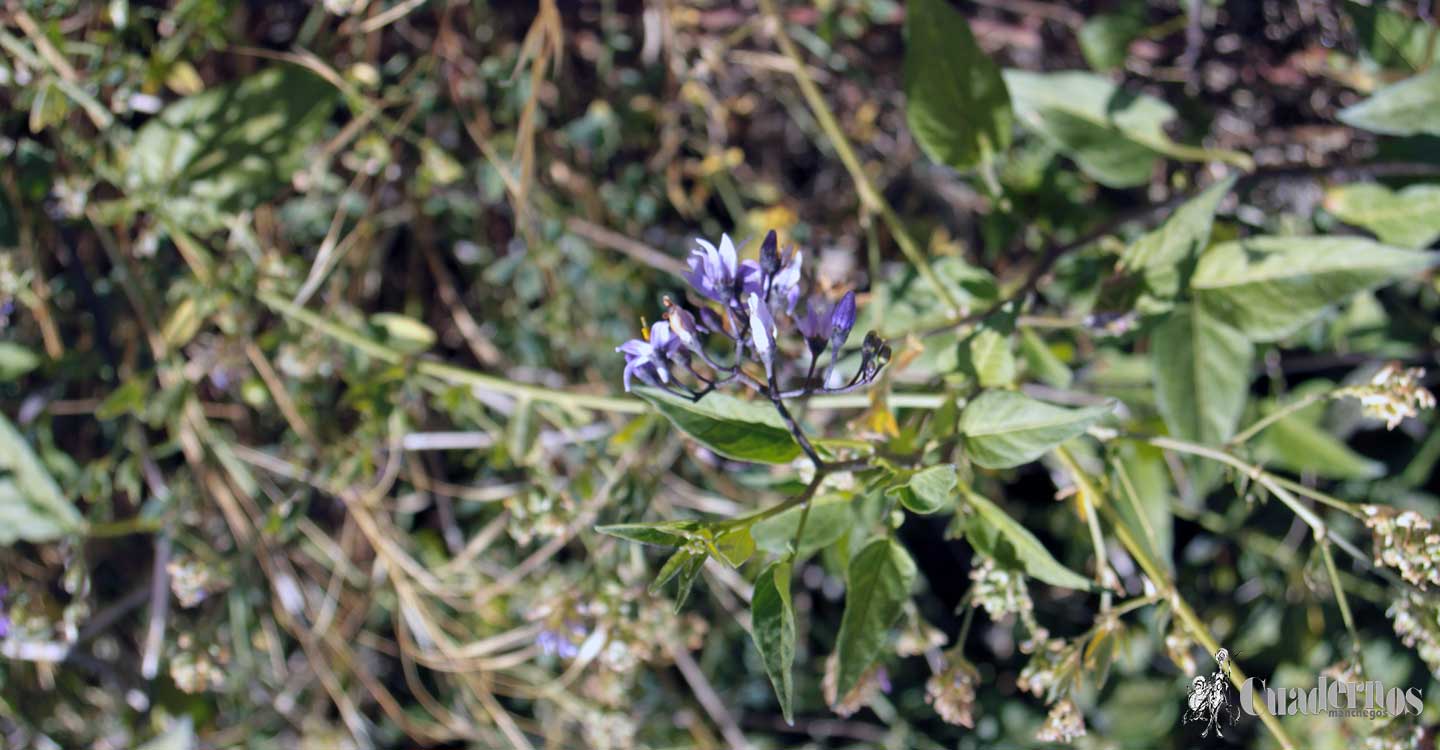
1004	429
743	430
995	534
1202	374
1404	108
878	581
955	100
32	507
229	148
928	490
1268	287
772	618
1406	218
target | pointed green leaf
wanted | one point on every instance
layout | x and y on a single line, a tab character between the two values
1301	443
659	533
742	430
1404	108
1390	39
1407	218
987	356
878	582
1004	428
32	508
955	100
830	518
735	546
1202	374
1041	361
1268	287
928	490
1113	135
772	626
992	532
1166	255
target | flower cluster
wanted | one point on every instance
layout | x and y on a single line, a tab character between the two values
1405	541
1064	724
951	691
1394	394
1052	669
1417	622
1003	593
745	304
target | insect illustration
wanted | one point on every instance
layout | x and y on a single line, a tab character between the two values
1209	698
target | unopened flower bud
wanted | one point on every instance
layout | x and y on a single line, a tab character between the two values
770	254
762	331
842	319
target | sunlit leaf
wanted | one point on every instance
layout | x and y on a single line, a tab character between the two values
1407	218
1268	287
1004	428
1202	374
32	507
955	99
1404	108
743	430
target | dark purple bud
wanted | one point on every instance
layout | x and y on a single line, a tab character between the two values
872	344
842	319
770	254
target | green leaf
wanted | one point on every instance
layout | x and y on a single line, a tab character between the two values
735	546
1404	108
928	490
1268	287
1004	428
1113	135
1202	374
1391	39
1408	218
16	360
955	100
227	149
1140	470
404	332
987	356
32	507
1042	362
1301	443
686	563
180	736
992	532
878	582
660	533
1105	38
1166	255
772	626
742	430
830	518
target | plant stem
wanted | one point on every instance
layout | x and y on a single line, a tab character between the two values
1276	416
1188	618
870	198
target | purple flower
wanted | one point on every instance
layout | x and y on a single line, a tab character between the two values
785	284
4	618
714	271
649	359
842	319
815	324
762	331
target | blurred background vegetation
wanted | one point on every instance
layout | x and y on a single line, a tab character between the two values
310	399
